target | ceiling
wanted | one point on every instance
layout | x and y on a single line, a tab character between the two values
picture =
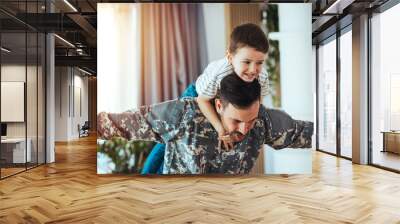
77	25
76	22
332	15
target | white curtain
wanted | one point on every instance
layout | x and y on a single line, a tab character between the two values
118	57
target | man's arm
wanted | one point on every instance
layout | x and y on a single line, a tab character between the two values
159	122
285	132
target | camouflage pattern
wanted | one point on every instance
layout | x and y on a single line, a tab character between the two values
192	142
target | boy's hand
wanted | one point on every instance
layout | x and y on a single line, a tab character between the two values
225	139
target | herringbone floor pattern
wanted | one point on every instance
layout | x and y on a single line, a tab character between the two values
69	191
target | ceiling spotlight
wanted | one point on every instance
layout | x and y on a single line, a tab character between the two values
70	5
79	51
84	71
65	41
5	50
337	7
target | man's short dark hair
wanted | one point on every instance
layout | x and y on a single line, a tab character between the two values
248	35
237	92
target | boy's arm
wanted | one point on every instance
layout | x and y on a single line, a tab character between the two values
207	83
209	112
159	122
285	132
206	86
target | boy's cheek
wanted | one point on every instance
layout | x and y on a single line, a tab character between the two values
239	71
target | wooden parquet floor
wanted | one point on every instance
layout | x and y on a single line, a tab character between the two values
70	191
10	171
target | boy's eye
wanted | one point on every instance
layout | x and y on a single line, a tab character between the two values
246	62
259	63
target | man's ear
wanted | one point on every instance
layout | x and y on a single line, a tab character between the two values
218	106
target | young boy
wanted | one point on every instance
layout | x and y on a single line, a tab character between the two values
246	54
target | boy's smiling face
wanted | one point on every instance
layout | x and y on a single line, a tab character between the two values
247	62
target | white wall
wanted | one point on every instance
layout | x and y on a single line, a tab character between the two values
297	83
296	60
61	103
68	81
214	21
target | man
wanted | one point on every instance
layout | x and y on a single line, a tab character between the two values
191	141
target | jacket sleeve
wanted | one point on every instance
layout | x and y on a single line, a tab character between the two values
285	132
158	122
264	82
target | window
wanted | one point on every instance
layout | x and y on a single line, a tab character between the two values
385	88
327	96
22	76
346	94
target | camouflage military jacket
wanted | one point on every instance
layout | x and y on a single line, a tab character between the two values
192	142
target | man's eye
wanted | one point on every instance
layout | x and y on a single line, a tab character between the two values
259	63
246	62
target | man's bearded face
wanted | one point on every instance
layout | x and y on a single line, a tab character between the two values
237	122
